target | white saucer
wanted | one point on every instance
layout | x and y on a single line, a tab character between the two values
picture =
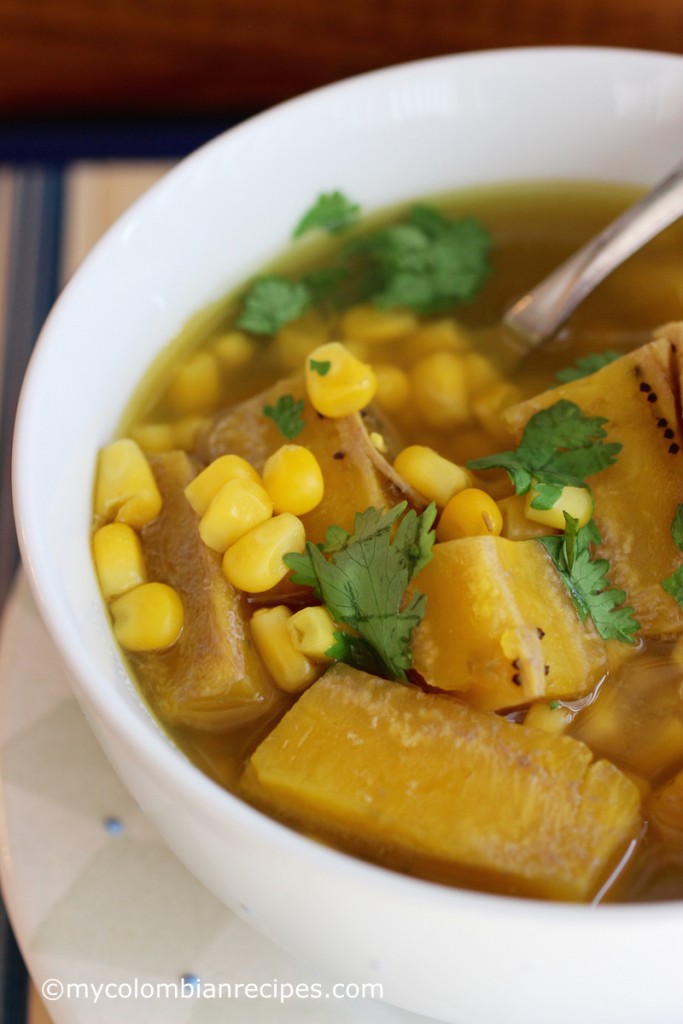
95	897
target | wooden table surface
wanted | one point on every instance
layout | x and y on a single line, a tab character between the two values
179	57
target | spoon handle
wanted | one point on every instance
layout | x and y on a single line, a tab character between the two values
538	314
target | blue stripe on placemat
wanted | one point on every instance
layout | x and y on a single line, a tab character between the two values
31	289
24	141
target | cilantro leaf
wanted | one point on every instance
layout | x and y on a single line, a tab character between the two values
324	283
332	212
673	584
320	366
272	302
560	447
286	414
429	263
677	527
362	578
586	580
586	365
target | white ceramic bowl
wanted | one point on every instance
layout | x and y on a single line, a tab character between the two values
406	131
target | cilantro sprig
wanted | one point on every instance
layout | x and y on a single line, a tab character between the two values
332	212
560	447
287	416
587	583
429	263
673	584
362	578
273	301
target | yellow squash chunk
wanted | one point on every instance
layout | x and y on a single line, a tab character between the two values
443	789
355	474
212	677
500	626
635	499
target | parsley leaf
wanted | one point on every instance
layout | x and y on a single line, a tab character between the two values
673	584
332	212
286	414
272	302
586	580
429	263
362	578
560	447
586	365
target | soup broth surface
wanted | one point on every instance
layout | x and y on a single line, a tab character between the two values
634	717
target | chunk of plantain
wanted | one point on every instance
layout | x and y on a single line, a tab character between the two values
500	626
635	499
444	790
212	678
355	474
664	809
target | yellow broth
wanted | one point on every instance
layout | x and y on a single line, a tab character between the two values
635	718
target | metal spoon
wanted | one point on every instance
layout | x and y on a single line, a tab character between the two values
541	312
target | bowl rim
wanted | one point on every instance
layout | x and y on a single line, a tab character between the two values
148	736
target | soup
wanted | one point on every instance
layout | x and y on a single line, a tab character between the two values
408	592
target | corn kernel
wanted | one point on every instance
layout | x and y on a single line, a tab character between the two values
480	372
575	501
196	386
125	488
470	513
552	718
203	489
186	430
147	618
378	442
438	479
393	386
337	383
293	479
516	526
233	349
236	508
299	338
445	335
254	563
311	631
119	560
291	670
358	349
439	390
489	406
154	437
376	326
